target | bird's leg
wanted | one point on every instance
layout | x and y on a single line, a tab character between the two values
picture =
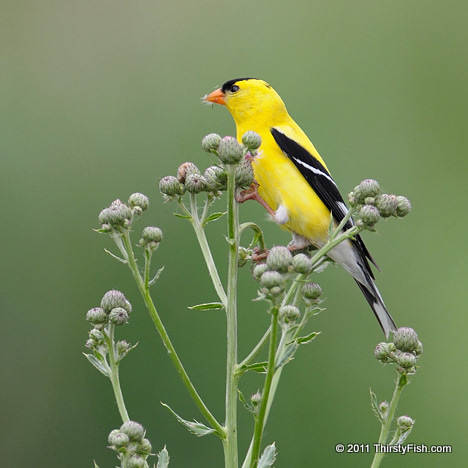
252	194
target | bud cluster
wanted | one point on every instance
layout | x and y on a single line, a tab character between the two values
371	205
118	215
130	443
404	351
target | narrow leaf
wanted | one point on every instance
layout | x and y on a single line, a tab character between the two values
308	338
248	406
156	276
194	427
401	436
182	216
163	458
268	457
287	355
115	256
375	406
95	464
97	364
259	367
213	217
208	306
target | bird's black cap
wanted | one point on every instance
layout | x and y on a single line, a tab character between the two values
226	86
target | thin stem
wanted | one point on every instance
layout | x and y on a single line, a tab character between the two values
230	442
262	412
254	353
400	383
114	376
205	248
144	291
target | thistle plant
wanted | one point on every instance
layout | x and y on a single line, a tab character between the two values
285	285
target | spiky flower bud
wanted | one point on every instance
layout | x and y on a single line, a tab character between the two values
96	335
403	207
170	186
406	339
210	143
113	299
405	422
256	398
138	200
259	270
150	234
383	351
136	461
134	430
383	408
230	151
251	140
302	263
186	169
279	259
289	314
405	360
118	316
117	214
387	205
244	173
216	178
118	439
367	188
419	349
145	446
122	346
369	215
311	291
195	183
96	316
271	279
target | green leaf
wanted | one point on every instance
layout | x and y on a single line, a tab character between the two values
268	457
95	464
259	367
163	458
308	338
184	216
401	435
375	405
287	355
248	406
97	364
156	276
213	217
208	306
194	427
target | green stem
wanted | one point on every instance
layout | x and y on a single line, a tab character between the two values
385	429
205	248
114	376
254	353
262	412
230	442
144	291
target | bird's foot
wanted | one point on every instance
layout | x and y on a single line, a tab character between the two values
252	194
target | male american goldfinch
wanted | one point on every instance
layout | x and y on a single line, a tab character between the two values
295	183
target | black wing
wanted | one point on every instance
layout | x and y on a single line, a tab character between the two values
322	183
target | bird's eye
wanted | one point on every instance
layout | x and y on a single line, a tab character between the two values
234	88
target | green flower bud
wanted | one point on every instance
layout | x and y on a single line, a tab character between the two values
96	335
275	291
185	170
210	143
405	360
195	183
383	408
302	264
405	422
138	200
145	446
150	234
311	291
244	173
259	270
118	316
216	178
406	339
383	351
367	188
118	214
271	279
96	316
387	205
118	439
419	349
170	186
403	207
230	151
289	314
279	259
122	346
251	140
136	461
256	398
113	299
134	430
369	215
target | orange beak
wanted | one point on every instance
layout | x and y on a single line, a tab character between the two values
216	97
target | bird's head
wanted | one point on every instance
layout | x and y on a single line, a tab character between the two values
248	98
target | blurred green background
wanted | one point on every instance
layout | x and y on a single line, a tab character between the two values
100	99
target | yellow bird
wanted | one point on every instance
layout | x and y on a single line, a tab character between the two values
295	183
